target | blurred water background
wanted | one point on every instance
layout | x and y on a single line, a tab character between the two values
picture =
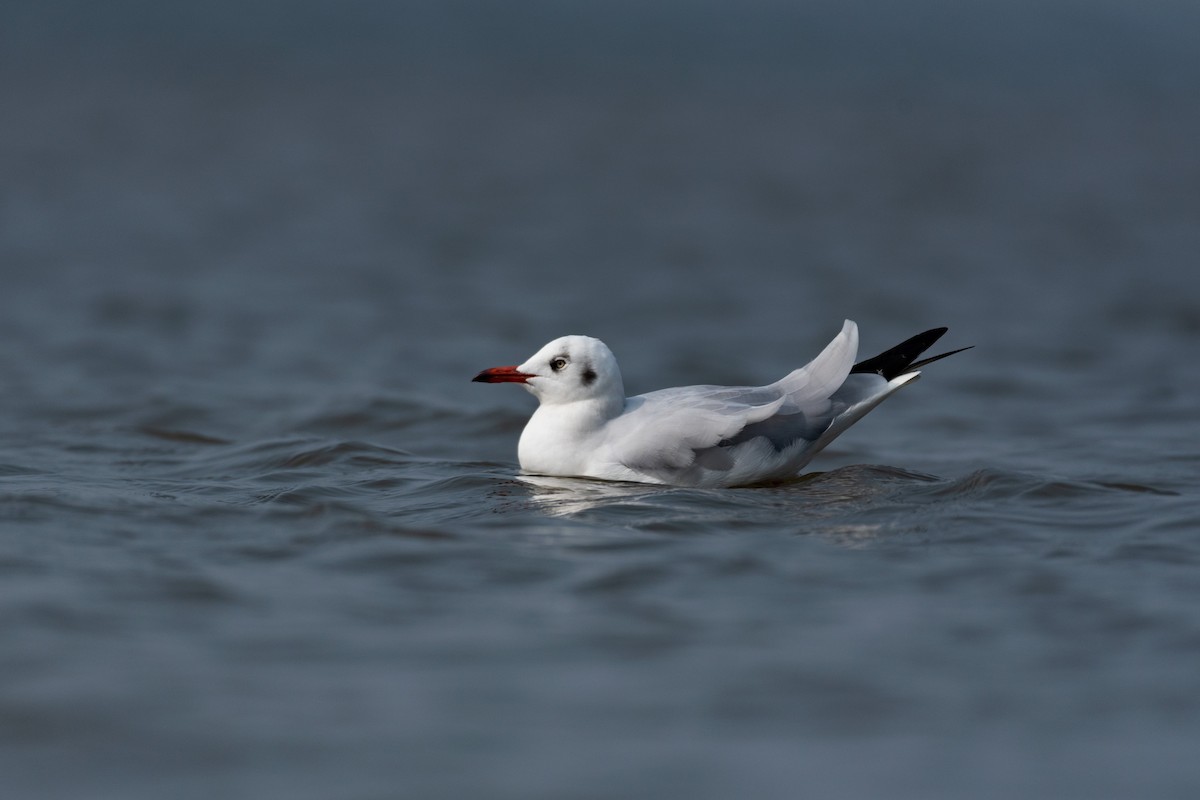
260	536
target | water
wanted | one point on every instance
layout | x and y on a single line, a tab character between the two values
261	537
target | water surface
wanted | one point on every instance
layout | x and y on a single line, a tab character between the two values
261	537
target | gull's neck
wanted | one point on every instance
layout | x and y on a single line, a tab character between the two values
560	437
591	412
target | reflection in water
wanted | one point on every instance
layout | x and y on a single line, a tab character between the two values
836	505
567	497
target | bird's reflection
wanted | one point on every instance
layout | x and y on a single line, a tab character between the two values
567	497
843	505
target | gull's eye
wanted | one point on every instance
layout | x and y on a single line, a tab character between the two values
557	363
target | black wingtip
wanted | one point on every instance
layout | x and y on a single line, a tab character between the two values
931	359
903	357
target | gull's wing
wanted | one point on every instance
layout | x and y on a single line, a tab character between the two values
745	433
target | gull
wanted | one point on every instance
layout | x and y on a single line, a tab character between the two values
701	436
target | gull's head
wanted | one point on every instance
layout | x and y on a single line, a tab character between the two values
567	370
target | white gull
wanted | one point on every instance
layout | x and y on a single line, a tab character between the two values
585	427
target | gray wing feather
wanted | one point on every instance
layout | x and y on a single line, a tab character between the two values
716	427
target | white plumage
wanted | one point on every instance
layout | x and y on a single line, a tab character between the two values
584	425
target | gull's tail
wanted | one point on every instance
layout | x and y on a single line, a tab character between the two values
901	359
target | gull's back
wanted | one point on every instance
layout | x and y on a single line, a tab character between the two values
732	435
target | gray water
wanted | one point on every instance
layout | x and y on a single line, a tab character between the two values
261	537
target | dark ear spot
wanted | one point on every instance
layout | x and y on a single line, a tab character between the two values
589	375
